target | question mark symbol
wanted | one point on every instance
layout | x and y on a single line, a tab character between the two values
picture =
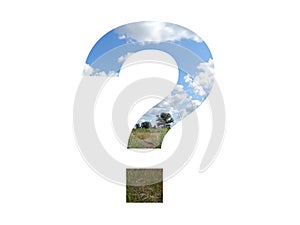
105	60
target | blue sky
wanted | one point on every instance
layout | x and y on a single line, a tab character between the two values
111	40
192	55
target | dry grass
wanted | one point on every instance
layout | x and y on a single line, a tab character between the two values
144	185
147	138
142	135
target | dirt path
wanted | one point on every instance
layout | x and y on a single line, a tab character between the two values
152	141
142	138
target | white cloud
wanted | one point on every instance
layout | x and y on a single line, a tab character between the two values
156	32
155	111
182	113
196	102
179	104
189	108
178	96
178	89
172	103
197	89
90	71
188	78
164	104
124	57
201	80
111	73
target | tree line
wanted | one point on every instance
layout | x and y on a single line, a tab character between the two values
163	120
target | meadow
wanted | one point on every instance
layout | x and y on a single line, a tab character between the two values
147	138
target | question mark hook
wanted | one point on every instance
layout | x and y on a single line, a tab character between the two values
105	59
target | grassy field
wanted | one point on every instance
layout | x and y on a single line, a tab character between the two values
146	185
147	138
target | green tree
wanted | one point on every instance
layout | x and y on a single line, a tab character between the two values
146	125
164	120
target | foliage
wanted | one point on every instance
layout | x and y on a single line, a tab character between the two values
146	125
164	120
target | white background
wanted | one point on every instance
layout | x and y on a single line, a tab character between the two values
255	179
